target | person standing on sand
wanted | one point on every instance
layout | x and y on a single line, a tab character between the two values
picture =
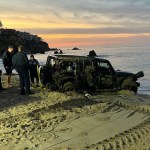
33	66
1	87
7	61
21	64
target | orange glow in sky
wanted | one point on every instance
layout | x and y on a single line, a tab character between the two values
80	23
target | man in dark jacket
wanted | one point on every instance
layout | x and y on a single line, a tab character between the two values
21	64
33	66
7	61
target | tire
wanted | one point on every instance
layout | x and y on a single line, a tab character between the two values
134	89
48	86
130	85
68	86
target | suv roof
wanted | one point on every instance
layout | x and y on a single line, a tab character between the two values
75	57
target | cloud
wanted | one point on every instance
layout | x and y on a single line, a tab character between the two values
79	7
77	17
109	30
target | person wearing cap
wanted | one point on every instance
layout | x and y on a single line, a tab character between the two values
7	62
33	66
21	64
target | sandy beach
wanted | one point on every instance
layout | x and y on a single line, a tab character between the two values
49	120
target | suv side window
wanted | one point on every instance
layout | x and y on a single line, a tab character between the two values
103	67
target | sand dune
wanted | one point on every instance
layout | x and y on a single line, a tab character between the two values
51	120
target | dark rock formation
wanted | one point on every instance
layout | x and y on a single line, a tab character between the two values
92	53
58	52
76	48
32	43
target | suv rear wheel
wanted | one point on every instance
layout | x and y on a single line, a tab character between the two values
68	86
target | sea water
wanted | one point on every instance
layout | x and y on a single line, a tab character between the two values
131	59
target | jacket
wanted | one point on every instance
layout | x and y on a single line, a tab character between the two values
7	59
20	60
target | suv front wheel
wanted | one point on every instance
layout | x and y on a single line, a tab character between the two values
130	85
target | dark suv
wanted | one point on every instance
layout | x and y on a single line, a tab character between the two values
68	73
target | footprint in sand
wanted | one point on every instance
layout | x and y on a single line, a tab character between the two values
66	129
83	134
106	118
63	130
46	137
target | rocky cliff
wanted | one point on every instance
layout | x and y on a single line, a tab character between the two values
32	43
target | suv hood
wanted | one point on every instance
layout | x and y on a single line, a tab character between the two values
123	73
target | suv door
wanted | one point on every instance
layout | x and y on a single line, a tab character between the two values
104	74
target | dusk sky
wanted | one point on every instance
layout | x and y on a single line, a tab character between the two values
81	23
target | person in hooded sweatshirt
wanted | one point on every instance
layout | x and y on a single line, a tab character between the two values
21	64
33	66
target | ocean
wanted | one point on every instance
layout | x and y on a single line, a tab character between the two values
131	59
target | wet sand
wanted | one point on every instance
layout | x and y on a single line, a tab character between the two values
51	120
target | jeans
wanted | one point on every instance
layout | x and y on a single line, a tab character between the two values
24	80
34	75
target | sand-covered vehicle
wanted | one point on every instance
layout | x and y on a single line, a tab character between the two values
80	73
